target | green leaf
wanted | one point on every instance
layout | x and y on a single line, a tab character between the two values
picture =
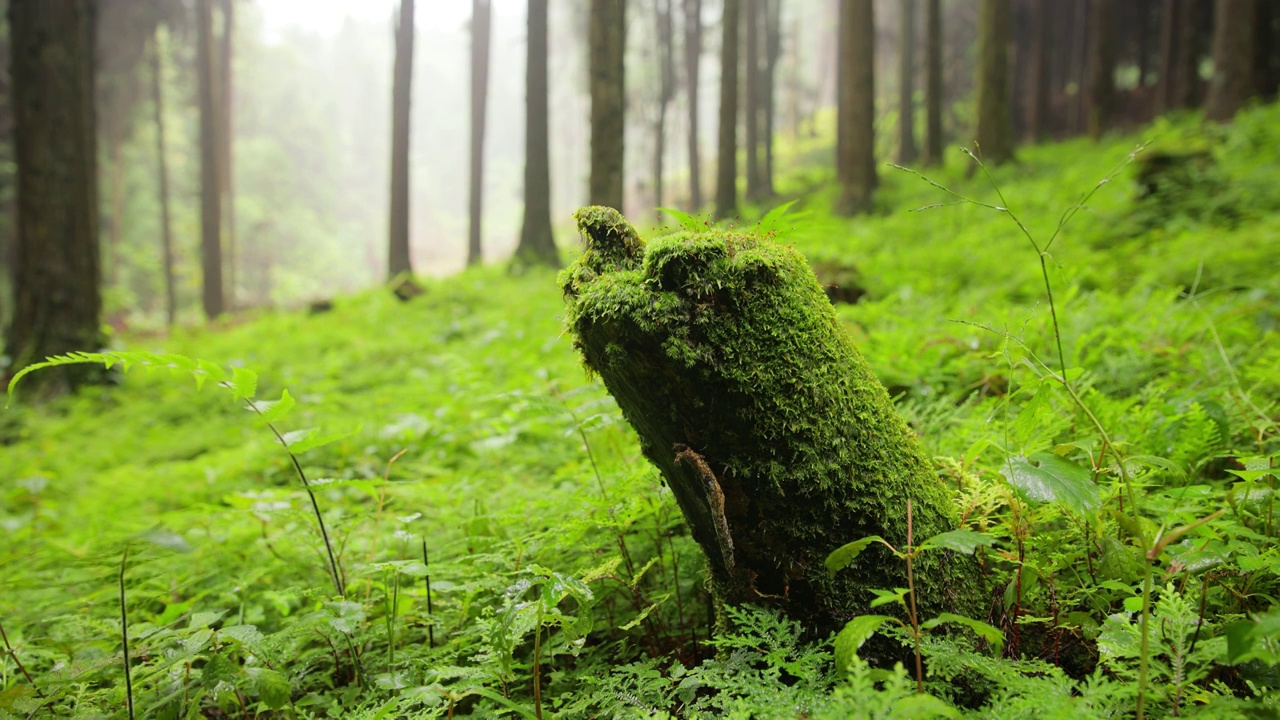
769	222
923	706
273	687
1239	640
856	632
687	221
840	558
889	597
275	410
1044	477
313	440
243	383
992	635
962	541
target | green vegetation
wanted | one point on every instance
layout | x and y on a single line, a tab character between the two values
1123	491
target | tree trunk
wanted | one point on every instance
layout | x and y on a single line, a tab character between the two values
210	200
907	85
933	82
481	13
1266	51
398	251
727	161
1144	41
772	53
995	127
162	164
1078	45
226	140
608	39
1233	42
692	58
1165	97
751	108
665	28
1038	98
776	439
1102	66
537	244
57	272
855	100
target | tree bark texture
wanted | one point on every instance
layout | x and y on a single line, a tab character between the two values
1266	51
772	25
481	14
537	244
1102	65
769	427
162	168
664	27
727	150
995	126
226	146
211	294
751	106
57	273
1233	43
907	84
855	101
933	82
1038	98
1168	54
608	39
398	260
692	61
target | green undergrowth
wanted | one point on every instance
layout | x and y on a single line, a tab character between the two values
563	581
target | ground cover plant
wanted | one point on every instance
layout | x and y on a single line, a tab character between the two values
501	548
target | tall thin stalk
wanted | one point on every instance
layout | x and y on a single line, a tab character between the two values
124	635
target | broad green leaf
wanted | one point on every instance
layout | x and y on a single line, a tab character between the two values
769	222
922	707
856	632
273	687
687	221
962	541
274	411
1044	477
843	555
1239	640
243	383
889	597
300	441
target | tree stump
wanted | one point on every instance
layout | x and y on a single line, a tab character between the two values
778	442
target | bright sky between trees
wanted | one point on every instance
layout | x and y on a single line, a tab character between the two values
327	16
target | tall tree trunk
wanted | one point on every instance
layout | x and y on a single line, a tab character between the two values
210	186
481	14
1078	45
537	245
1102	66
995	126
1144	41
608	39
398	251
727	160
57	273
226	140
115	239
1191	49
1233	42
692	59
855	100
907	84
1266	51
751	107
1165	93
1038	98
933	82
162	164
664	27
772	53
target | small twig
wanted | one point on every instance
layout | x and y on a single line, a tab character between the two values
431	620
124	634
21	668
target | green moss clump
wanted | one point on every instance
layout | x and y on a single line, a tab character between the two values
777	440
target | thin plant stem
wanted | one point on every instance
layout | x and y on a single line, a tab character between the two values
426	578
21	668
124	634
537	666
911	594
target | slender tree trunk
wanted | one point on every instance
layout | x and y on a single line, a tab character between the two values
692	59
727	161
162	164
995	127
1165	97
226	140
907	85
210	200
1233	42
481	13
537	245
933	82
1266	50
773	53
1102	66
57	273
1038	110
665	28
855	123
1076	112
608	39
1144	41
751	108
398	260
116	224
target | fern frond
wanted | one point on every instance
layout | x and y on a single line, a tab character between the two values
240	382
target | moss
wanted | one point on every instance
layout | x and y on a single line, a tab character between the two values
774	435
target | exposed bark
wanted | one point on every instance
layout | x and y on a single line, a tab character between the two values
855	106
537	244
481	14
1168	54
607	37
210	186
776	439
1266	51
57	271
907	84
665	29
162	168
995	126
1233	42
1187	92
1079	46
692	60
226	144
772	25
727	160
1144	41
1102	65
398	260
1038	98
751	107
933	82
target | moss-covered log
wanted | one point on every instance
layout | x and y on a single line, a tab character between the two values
777	440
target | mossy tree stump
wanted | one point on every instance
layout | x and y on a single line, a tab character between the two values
776	439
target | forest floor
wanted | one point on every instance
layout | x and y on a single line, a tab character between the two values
563	581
